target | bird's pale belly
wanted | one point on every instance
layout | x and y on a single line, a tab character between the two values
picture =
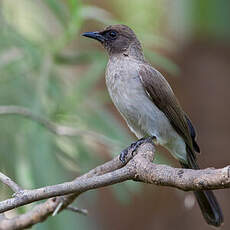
144	118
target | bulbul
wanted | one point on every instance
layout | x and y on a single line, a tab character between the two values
147	103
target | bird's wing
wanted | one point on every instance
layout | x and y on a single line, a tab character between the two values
163	97
192	132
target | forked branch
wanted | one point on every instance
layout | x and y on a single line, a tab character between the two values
139	168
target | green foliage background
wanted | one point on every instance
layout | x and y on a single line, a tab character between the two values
47	67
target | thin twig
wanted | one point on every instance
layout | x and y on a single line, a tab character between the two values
57	209
61	130
77	210
10	183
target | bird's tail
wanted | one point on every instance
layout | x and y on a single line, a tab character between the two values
207	201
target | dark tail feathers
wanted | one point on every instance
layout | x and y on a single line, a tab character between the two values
209	207
207	201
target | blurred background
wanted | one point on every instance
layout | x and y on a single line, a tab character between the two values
48	68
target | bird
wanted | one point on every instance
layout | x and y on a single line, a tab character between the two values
149	106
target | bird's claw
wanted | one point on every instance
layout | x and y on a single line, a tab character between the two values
123	155
132	148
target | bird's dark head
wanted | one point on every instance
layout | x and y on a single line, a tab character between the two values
116	39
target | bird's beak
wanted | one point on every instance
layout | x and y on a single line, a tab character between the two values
94	35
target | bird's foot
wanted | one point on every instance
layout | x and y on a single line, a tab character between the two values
133	147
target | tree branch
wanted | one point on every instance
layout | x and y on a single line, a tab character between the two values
10	183
79	185
138	168
38	214
42	211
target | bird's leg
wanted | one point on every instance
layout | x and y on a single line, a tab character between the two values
133	147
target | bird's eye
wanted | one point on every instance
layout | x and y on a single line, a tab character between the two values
113	34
